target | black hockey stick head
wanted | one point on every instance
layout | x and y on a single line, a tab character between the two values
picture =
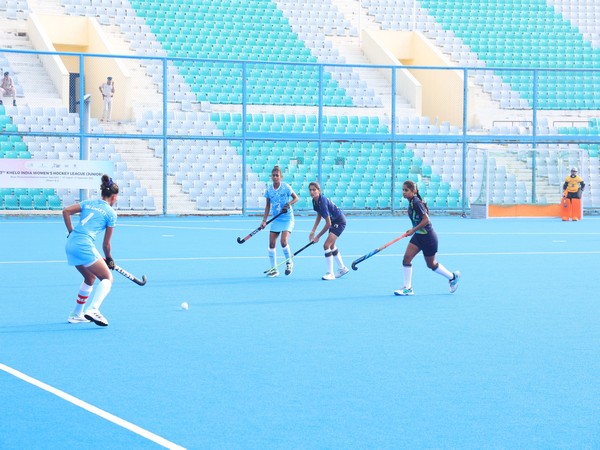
354	264
131	277
240	240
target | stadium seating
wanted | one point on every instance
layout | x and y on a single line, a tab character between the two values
528	34
232	33
359	173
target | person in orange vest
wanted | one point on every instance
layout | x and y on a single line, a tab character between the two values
573	188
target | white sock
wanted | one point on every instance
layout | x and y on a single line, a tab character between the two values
444	272
273	256
338	257
82	297
329	261
407	271
286	251
101	293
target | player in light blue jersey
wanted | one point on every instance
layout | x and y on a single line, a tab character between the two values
335	223
280	198
96	216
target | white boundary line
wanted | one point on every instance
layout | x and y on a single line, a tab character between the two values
229	258
94	410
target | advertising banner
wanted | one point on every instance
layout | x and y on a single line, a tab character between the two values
53	173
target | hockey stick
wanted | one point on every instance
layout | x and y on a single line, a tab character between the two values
241	241
377	250
133	278
290	258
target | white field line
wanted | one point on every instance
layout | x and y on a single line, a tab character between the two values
229	258
91	408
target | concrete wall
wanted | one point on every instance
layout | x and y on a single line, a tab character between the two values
81	35
58	73
434	93
383	50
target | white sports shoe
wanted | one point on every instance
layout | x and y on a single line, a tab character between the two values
273	273
404	291
77	318
328	276
95	316
288	268
454	281
341	272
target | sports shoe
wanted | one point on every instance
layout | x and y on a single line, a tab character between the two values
288	268
95	316
454	281
77	318
273	273
328	276
343	271
404	291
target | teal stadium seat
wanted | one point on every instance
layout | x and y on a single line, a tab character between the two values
11	202
54	202
25	202
40	201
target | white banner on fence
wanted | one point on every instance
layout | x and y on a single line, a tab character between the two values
53	173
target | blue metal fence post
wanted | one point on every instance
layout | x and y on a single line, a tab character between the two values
164	137
464	140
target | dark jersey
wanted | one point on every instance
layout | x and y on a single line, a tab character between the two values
416	211
327	208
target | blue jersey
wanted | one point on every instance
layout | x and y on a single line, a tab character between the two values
416	211
95	216
326	208
278	198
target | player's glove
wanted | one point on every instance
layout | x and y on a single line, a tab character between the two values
110	263
285	208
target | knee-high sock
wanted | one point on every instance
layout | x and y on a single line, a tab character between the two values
407	272
82	297
101	293
338	257
273	256
443	271
286	251
329	261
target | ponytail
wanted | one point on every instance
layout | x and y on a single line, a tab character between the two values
108	187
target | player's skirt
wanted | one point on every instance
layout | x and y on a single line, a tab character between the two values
284	222
428	243
81	250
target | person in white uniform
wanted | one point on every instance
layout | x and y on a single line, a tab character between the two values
107	89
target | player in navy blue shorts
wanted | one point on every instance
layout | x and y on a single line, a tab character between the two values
95	216
424	239
335	223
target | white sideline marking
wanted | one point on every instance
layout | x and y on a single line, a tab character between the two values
229	258
91	408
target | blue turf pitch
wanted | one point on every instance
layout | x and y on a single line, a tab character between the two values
508	361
